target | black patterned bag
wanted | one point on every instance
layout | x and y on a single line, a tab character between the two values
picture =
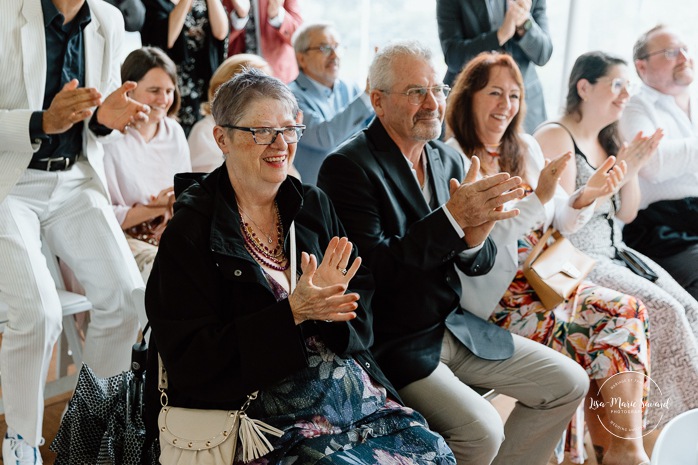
104	423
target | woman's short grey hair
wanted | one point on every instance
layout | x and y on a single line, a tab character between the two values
301	39
235	96
380	73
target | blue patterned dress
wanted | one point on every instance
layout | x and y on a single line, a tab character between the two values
332	412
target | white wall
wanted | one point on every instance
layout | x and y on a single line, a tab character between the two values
608	25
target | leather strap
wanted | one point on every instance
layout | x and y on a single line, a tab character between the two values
538	248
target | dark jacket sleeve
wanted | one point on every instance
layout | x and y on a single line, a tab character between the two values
481	263
459	48
426	244
536	44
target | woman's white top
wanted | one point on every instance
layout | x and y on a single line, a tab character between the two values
137	169
206	156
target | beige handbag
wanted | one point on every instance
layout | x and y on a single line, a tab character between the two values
209	437
556	272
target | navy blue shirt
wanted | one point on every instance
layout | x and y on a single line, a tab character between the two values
65	58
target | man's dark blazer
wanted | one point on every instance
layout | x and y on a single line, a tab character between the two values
465	31
411	250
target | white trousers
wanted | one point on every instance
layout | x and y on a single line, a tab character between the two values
73	215
547	385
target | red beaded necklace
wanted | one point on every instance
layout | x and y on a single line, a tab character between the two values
271	258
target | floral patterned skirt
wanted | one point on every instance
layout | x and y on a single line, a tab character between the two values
334	413
605	331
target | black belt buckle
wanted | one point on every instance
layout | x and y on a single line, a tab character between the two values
53	163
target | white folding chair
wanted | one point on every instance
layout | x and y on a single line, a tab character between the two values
677	443
71	304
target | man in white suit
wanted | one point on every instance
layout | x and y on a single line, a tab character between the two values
59	58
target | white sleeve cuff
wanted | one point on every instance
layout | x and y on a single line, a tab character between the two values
236	22
279	19
453	222
467	253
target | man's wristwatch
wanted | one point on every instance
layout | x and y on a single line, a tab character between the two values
525	27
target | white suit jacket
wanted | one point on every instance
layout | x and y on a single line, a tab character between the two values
482	293
23	78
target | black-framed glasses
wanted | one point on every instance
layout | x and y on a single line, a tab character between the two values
417	95
669	53
326	49
267	136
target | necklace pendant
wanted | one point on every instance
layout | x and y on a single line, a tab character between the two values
269	239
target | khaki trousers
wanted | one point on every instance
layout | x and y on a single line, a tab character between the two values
548	387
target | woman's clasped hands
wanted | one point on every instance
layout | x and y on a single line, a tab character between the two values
321	290
639	151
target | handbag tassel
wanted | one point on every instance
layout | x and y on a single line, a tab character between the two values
254	443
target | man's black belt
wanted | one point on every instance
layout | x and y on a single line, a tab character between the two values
53	163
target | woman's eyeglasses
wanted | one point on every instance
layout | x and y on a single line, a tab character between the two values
267	136
618	84
417	95
669	53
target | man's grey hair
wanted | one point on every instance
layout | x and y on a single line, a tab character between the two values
234	97
380	72
640	47
301	39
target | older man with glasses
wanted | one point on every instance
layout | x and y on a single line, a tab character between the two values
666	227
398	192
333	109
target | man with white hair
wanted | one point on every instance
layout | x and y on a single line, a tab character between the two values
333	109
666	227
398	193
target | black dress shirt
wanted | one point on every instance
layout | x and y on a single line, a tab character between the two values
65	58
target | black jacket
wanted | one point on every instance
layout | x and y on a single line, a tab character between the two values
411	251
215	321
